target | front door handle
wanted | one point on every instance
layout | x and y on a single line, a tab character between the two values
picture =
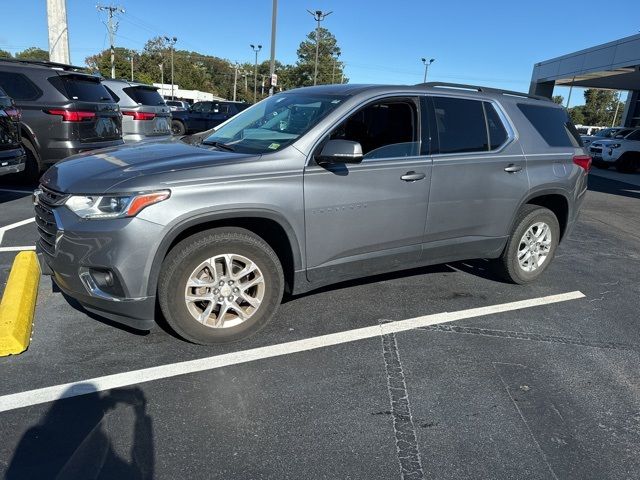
412	176
512	168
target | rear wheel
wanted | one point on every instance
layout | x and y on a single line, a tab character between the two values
220	286
177	127
532	245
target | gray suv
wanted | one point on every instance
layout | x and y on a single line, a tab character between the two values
144	113
307	188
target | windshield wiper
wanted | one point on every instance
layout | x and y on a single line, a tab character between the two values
220	145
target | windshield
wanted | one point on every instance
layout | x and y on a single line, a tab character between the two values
275	122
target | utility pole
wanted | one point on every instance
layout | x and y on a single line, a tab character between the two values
255	72
58	31
272	62
570	91
131	58
426	67
615	114
161	67
318	16
112	27
172	42
235	81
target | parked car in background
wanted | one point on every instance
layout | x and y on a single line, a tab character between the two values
309	187
204	115
11	151
588	129
604	134
620	152
64	111
177	105
145	114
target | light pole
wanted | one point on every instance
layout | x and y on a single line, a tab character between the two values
426	67
131	54
235	81
172	42
318	16
255	72
161	67
272	62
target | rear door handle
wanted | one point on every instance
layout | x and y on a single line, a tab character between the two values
512	168
412	176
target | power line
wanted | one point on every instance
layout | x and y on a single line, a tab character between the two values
112	26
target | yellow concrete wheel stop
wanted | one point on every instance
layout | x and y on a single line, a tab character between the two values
18	304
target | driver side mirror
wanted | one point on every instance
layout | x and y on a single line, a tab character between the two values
340	151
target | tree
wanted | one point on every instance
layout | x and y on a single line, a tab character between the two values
577	115
330	69
5	54
101	62
559	99
600	106
33	53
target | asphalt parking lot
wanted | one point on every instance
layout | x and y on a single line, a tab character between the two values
534	390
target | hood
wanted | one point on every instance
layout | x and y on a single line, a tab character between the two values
103	170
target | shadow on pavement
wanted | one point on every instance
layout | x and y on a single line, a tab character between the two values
72	439
613	187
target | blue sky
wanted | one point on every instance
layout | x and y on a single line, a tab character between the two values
495	42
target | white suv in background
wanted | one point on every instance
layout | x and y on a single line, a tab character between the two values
605	134
623	153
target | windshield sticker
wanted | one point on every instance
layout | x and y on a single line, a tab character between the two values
274	146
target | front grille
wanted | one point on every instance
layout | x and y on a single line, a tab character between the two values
46	200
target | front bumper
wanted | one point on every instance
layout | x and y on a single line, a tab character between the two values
79	252
12	161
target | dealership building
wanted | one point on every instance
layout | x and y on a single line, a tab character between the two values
614	65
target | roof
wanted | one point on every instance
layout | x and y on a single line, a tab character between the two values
46	64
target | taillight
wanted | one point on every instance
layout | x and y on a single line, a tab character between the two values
139	115
73	115
583	161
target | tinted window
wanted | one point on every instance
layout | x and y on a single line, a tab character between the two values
82	88
553	124
497	133
633	136
385	129
18	86
144	96
115	97
461	125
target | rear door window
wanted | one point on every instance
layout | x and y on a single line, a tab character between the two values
497	133
81	88
461	125
553	125
18	86
145	96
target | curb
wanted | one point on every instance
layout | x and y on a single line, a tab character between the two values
18	304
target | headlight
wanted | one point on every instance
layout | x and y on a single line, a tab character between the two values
113	206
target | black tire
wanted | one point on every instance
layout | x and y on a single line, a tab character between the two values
507	265
187	255
32	169
627	163
177	127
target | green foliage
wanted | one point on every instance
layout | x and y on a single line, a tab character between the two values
559	99
599	108
33	53
208	73
5	54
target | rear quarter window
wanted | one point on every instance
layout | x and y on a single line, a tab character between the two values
553	125
18	86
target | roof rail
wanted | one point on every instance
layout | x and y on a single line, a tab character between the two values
478	88
46	63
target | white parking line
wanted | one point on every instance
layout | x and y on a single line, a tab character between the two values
118	380
17	249
15	225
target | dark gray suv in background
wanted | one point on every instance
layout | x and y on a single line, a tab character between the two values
64	111
307	188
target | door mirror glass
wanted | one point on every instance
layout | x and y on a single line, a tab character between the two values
340	151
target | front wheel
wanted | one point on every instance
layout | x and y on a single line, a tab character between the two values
531	246
177	127
220	286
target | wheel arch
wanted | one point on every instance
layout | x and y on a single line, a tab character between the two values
556	200
268	225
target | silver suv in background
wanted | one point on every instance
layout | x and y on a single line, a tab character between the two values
144	112
306	188
177	105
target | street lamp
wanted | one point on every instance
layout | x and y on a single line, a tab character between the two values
318	16
426	67
171	41
255	72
